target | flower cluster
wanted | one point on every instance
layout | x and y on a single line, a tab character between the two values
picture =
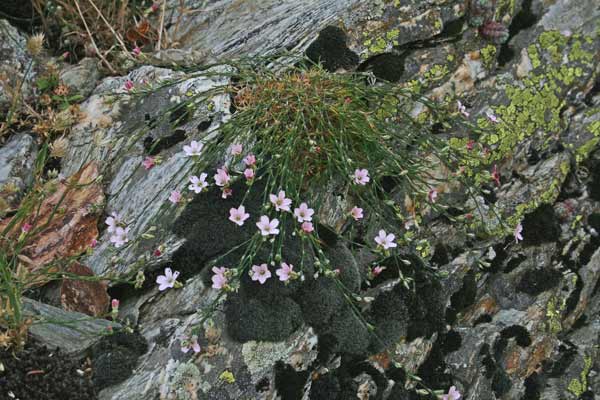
118	230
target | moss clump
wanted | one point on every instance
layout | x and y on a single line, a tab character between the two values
330	50
254	319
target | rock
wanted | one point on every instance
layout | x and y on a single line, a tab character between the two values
82	78
17	158
15	66
56	330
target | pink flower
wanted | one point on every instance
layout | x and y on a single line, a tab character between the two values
250	160
113	221
93	243
356	213
119	237
191	342
167	280
285	272
268	227
219	279
148	162
492	117
26	227
238	215
307	227
65	55
470	144
236	149
114	304
517	233
157	253
198	184
260	273
462	109
154	7
136	51
280	202
249	173
377	270
432	195
193	149
175	197
222	178
361	176
226	193
385	240
496	175
128	85
453	394
303	213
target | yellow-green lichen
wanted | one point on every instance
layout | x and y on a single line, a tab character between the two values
554	310
534	56
579	386
488	55
227	377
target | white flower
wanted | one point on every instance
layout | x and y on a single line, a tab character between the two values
280	202
268	227
303	213
198	184
193	149
238	215
385	240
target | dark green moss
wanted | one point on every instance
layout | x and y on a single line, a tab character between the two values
326	387
115	356
541	226
349	333
319	299
254	319
536	281
330	50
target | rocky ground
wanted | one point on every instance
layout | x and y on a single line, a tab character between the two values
509	320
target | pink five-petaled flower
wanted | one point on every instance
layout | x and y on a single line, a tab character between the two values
385	240
518	232
26	227
236	149
280	202
193	149
307	227
113	221
219	279
136	51
250	160
361	176
119	237
260	273
496	175
268	227
303	213
175	197
377	270
148	162
226	193
238	215
192	343
167	280
356	213
198	184
285	272
249	173
462	108
492	117
222	177
453	394
128	85
432	195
